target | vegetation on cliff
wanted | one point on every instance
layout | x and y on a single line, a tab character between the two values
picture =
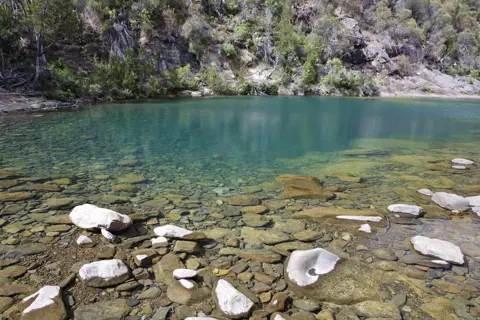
123	49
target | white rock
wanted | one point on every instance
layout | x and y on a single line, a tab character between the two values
476	210
108	235
184	273
88	216
186	284
361	218
474	201
171	231
104	273
43	297
366	228
232	302
426	192
462	161
141	257
450	201
302	262
440	262
438	248
84	240
459	167
159	240
278	317
199	318
406	208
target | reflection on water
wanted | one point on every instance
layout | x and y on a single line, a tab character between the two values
253	130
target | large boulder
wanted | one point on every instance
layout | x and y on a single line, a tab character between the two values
303	187
438	248
45	304
451	201
104	273
88	216
348	282
230	301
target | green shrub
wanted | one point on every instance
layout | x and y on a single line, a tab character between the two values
59	82
313	49
182	79
338	78
404	67
228	50
475	74
242	32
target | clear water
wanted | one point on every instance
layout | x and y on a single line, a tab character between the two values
255	130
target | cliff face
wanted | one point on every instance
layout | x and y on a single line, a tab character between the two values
287	46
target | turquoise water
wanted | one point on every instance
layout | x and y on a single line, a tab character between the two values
244	130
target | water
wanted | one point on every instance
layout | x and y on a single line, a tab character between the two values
132	157
256	131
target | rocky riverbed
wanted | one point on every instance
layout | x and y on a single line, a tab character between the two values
383	235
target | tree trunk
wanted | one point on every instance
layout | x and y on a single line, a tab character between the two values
40	59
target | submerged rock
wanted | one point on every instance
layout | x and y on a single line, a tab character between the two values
164	268
45	304
349	282
242	200
15	196
365	228
377	309
411	210
303	187
450	201
108	310
462	161
104	273
438	248
230	301
88	216
305	266
426	192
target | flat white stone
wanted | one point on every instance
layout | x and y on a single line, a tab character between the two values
184	273
171	231
159	240
462	161
231	301
199	318
476	210
302	262
406	208
459	167
440	262
104	269
474	201
438	248
450	201
361	218
43	297
278	317
426	192
186	283
108	235
366	228
140	257
84	240
88	216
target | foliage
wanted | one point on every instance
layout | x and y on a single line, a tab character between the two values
404	67
121	78
228	50
197	32
59	82
182	79
338	78
313	48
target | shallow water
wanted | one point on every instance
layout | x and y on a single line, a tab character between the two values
372	152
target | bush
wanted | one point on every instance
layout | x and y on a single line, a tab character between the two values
182	79
404	66
121	78
228	50
338	78
58	82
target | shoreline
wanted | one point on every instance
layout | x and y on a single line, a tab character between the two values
11	103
